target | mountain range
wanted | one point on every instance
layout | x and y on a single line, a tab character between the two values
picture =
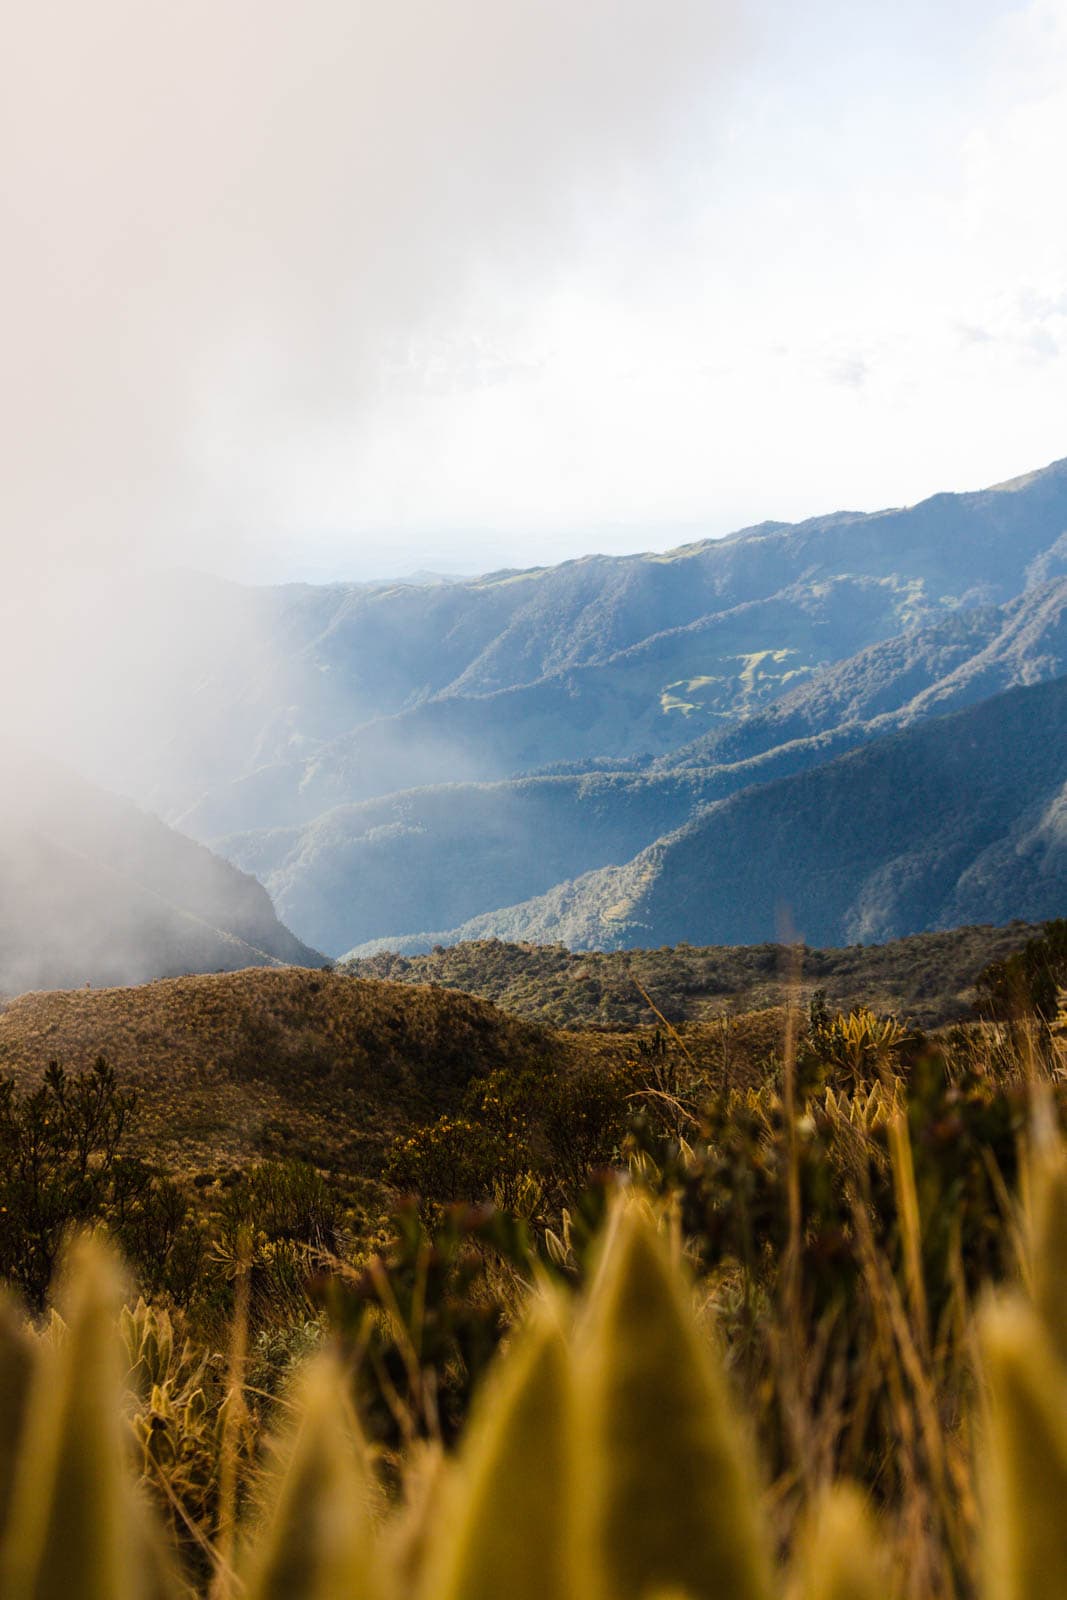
439	819
447	852
619	750
958	820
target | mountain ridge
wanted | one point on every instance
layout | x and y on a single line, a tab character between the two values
393	757
462	846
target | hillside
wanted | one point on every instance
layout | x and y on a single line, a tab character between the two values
92	890
962	819
927	978
438	856
958	661
299	1062
235	1067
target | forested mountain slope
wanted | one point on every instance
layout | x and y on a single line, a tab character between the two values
966	657
960	819
435	857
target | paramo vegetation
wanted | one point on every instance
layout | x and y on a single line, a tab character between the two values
633	1328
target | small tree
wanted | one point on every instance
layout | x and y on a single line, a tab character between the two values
58	1147
62	1168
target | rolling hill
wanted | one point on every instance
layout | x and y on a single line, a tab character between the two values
236	1067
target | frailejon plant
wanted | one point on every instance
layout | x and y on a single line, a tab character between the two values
604	1460
1025	1352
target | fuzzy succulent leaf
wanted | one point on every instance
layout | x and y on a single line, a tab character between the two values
839	1555
1049	1243
670	1497
16	1367
1026	1459
74	1526
504	1527
316	1541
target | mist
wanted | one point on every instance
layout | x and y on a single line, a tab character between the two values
223	225
220	220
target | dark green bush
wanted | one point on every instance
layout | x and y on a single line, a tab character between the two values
61	1168
1029	981
555	1127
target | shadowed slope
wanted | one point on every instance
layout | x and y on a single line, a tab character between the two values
92	890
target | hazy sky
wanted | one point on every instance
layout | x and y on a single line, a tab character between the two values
344	289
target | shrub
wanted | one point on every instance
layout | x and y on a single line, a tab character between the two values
449	1160
848	1052
553	1126
284	1200
1028	981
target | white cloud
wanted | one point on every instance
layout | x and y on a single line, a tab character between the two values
394	282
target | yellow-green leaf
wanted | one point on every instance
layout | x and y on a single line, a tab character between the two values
72	1529
1049	1243
16	1367
670	1500
505	1520
316	1540
840	1556
1025	1459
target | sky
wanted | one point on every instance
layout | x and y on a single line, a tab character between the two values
350	289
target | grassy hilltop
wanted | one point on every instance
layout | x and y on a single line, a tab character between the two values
232	1068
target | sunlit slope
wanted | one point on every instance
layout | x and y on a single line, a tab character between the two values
966	657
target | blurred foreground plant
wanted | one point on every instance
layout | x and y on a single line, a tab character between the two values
605	1459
